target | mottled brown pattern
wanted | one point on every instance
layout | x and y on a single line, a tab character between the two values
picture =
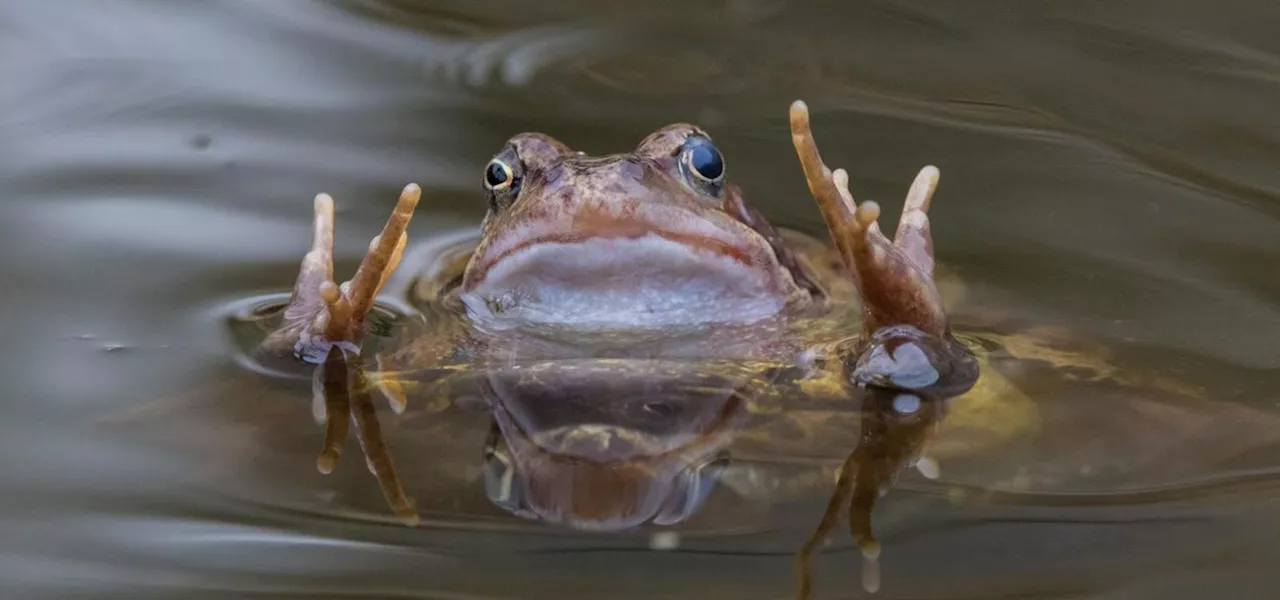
665	142
537	150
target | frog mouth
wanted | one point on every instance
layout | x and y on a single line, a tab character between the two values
658	266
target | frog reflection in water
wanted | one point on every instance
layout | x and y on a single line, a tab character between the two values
659	446
651	453
650	256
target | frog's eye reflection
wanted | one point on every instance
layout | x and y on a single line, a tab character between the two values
497	176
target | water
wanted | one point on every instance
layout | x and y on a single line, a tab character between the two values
1108	170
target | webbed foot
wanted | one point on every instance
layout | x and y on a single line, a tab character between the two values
894	278
906	337
322	314
323	325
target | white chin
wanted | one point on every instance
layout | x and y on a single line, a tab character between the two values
625	283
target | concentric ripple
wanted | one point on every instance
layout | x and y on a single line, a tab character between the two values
249	320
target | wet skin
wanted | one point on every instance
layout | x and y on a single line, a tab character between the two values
650	257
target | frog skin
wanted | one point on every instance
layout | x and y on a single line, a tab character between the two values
644	255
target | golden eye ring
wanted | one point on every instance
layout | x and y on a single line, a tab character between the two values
498	175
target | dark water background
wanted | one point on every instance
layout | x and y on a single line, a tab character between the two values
1109	168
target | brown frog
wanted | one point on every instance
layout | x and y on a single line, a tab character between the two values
590	317
651	254
650	251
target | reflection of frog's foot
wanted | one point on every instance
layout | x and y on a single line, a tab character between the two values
896	427
894	278
347	396
322	314
859	493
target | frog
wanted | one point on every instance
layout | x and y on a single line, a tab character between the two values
592	274
654	248
826	377
650	255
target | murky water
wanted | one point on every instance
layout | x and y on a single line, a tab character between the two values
1109	184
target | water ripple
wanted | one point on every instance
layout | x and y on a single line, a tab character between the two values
515	59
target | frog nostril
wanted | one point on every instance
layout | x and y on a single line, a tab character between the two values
660	408
631	169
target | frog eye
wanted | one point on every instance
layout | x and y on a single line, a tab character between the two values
702	161
498	175
706	162
502	178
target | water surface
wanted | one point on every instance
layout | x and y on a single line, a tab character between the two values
1109	172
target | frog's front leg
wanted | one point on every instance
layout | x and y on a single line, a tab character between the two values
323	325
321	313
906	336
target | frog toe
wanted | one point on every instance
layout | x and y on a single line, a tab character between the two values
894	286
384	253
322	314
308	320
914	236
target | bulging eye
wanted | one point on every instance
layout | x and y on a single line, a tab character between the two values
497	176
707	162
703	164
502	177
